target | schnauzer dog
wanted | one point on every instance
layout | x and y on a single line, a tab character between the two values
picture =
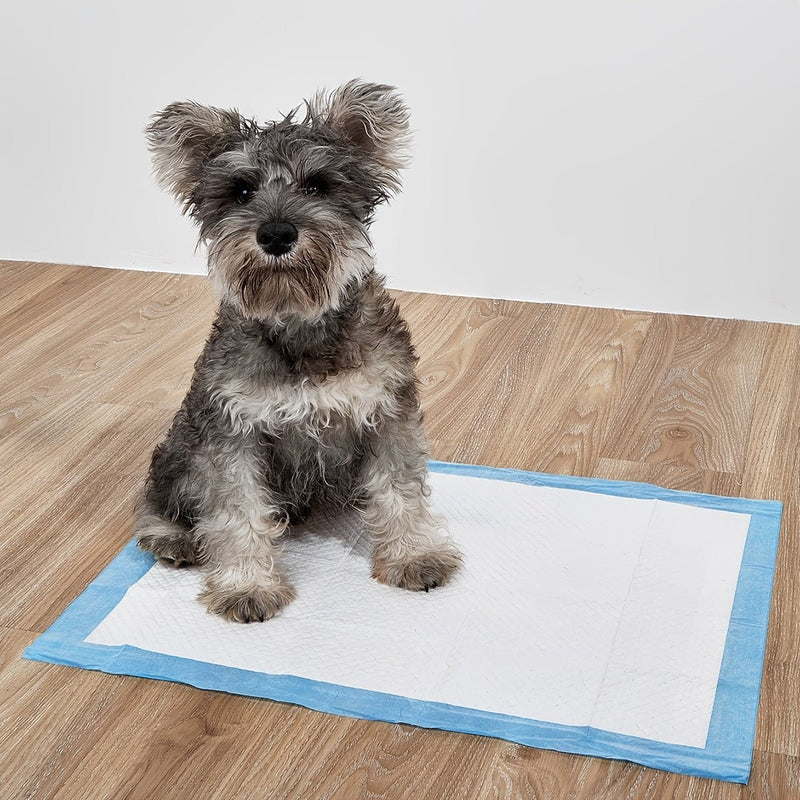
305	395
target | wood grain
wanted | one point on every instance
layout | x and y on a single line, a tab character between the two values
771	470
95	362
521	772
469	370
560	427
690	398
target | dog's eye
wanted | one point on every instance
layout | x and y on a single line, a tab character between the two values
243	192
316	184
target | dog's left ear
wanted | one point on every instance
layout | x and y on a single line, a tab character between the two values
373	118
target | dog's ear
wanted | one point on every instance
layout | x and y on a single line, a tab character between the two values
371	117
184	137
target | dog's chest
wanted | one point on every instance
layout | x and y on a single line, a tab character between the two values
355	398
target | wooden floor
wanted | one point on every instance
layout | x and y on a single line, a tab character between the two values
93	364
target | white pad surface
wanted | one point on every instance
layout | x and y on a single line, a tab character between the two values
572	607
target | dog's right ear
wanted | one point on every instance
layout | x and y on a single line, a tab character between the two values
184	137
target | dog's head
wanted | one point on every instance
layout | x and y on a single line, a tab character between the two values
285	207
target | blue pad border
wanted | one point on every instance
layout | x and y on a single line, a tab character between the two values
729	747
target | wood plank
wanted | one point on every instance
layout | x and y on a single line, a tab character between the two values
108	358
690	398
47	718
468	376
71	507
770	471
521	772
560	426
671	476
23	280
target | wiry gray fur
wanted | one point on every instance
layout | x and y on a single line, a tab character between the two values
305	396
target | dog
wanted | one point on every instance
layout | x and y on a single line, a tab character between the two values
305	397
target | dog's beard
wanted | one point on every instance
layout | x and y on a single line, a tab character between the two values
306	282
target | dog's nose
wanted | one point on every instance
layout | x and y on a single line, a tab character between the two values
276	238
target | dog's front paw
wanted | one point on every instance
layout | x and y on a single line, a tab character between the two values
251	604
420	571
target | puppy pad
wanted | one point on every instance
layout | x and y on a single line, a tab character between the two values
595	617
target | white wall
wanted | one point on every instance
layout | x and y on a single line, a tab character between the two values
631	154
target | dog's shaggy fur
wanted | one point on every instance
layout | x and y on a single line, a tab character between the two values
305	396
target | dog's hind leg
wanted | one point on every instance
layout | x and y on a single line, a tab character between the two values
173	543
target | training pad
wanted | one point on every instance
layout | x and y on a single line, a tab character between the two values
594	617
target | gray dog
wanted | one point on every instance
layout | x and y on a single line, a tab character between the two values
305	396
